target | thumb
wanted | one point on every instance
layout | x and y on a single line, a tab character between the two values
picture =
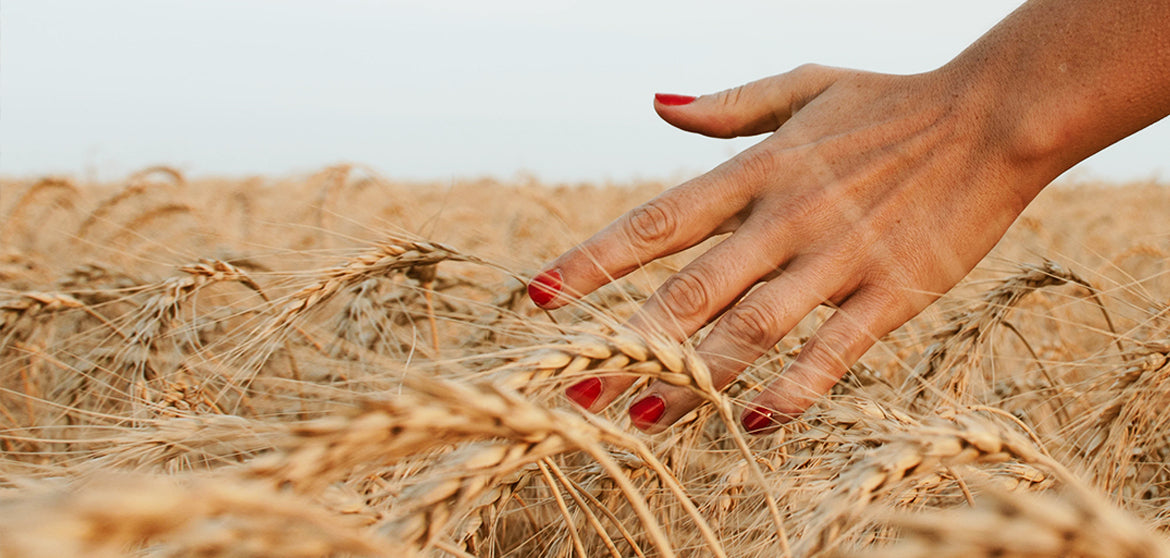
755	108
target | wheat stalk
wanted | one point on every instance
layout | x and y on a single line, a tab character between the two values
205	516
1076	525
65	193
965	440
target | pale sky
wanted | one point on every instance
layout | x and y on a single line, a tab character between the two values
434	89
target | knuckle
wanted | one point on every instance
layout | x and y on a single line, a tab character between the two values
807	211
752	326
686	295
651	224
806	70
755	166
854	245
826	353
729	98
886	296
732	109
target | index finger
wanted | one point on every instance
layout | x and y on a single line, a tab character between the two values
671	222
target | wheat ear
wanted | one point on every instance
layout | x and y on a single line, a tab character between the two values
111	514
965	439
1077	524
628	352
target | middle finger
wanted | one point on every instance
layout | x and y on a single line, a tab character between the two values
693	296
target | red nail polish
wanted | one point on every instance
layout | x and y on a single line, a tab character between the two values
645	413
672	100
544	288
758	420
585	392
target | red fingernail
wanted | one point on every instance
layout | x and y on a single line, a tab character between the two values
758	420
585	392
672	100
544	288
645	413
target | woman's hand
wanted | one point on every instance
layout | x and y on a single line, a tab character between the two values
874	194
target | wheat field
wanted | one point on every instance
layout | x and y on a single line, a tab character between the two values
338	364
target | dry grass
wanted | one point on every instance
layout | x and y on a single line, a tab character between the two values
342	365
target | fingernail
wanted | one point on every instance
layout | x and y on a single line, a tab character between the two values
585	392
645	413
544	288
670	99
758	420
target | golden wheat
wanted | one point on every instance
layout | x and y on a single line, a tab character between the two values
346	365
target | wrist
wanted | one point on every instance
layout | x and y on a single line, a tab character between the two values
1013	124
1058	80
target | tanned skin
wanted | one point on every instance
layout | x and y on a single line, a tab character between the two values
873	193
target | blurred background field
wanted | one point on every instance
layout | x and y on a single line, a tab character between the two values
338	363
